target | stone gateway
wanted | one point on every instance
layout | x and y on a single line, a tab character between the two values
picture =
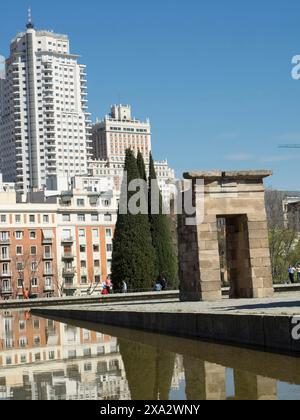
237	199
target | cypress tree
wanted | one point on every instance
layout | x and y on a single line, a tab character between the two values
133	254
162	240
141	166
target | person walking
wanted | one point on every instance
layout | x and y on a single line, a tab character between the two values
108	284
104	291
292	274
124	287
163	283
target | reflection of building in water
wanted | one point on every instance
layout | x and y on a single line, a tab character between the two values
43	359
178	375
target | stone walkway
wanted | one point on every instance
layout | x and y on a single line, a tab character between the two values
287	304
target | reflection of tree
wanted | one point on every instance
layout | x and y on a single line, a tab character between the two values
149	371
165	363
194	378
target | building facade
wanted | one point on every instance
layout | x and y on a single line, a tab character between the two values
61	247
44	123
118	132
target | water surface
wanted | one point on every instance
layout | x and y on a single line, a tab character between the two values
43	359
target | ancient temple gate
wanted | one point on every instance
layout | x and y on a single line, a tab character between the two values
237	200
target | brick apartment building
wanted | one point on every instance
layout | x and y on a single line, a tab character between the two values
59	247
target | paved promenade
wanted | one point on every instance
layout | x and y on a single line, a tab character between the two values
262	323
289	305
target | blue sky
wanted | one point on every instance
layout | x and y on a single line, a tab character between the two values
214	77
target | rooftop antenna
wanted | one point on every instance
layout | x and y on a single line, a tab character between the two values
30	24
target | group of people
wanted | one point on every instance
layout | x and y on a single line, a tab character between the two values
292	271
107	287
161	284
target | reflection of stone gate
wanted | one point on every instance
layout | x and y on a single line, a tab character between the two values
238	198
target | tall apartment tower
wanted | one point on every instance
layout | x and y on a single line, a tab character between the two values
117	132
45	129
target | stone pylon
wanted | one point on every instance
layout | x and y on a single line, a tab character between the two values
237	198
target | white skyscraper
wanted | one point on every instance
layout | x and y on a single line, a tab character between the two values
44	123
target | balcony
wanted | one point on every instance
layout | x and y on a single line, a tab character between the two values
48	257
7	291
48	289
5	241
48	273
47	241
68	256
69	272
5	274
69	286
69	240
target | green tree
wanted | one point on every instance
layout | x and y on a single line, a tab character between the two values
133	259
141	166
284	250
161	231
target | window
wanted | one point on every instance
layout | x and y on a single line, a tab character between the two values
66	218
3	218
48	282
33	250
96	248
4	253
19	267
83	264
17	218
83	280
37	340
108	233
34	266
95	233
32	235
34	282
48	268
20	283
19	236
81	217
81	233
66	234
107	217
31	218
51	355
4	236
37	357
82	248
46	218
23	342
23	358
80	202
47	251
19	250
22	326
95	217
36	324
109	247
97	264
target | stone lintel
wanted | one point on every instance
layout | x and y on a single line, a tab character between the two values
230	175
